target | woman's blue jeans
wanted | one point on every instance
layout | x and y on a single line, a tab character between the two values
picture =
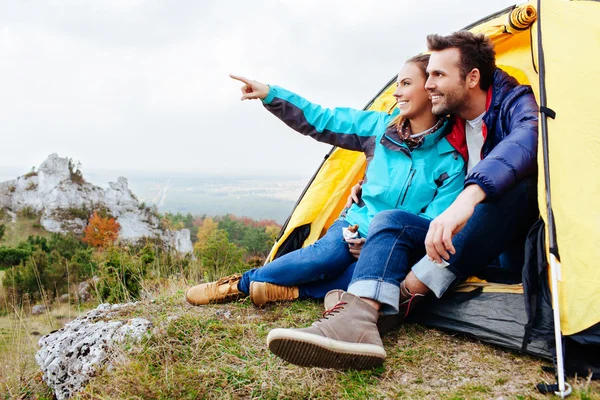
316	269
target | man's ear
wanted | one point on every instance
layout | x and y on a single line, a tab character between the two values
473	78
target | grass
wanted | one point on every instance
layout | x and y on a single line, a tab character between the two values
18	231
20	377
219	351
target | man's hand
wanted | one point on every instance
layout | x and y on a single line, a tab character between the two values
355	194
252	89
355	246
438	241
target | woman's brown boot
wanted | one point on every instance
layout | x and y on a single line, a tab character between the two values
262	293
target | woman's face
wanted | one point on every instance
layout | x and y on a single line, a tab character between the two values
413	99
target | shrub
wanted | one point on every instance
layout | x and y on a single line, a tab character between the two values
28	212
41	275
120	275
10	256
2	230
220	257
75	172
31	173
75	212
31	186
67	245
101	232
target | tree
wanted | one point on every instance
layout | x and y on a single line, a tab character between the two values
101	232
208	227
220	256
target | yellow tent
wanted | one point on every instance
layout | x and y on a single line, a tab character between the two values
570	43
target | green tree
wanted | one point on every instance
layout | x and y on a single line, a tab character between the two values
221	257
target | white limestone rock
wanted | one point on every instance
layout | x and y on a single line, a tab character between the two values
71	356
57	189
180	240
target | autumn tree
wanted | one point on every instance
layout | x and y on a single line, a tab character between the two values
208	227
101	232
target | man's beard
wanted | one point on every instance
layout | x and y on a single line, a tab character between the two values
451	103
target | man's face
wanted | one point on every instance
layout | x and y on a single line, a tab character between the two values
446	87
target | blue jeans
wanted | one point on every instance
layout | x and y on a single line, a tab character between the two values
396	241
494	227
316	269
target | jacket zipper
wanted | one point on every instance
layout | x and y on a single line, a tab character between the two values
412	173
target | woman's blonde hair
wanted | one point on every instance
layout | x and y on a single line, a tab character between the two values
421	61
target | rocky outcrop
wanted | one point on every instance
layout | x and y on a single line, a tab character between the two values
65	200
72	355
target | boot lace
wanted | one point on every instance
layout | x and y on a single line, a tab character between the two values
334	310
212	290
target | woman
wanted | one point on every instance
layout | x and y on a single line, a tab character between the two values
411	166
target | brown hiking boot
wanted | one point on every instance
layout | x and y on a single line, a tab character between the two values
225	289
345	338
262	293
408	302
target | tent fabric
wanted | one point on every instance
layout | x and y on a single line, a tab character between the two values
571	39
496	318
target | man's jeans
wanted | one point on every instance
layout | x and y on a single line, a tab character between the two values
316	269
494	227
396	241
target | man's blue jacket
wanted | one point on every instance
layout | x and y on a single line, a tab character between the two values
509	152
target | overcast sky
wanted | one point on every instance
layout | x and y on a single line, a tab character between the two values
143	85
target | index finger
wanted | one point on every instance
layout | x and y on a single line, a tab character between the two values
240	78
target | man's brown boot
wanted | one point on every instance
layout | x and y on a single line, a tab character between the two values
345	338
225	289
408	301
262	293
332	298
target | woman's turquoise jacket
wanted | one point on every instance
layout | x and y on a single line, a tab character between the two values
424	181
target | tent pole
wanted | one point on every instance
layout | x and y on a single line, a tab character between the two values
560	372
554	261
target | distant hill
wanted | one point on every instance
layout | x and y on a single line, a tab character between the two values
257	197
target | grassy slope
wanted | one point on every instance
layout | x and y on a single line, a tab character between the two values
20	230
219	352
20	377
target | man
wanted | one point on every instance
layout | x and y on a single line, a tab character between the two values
498	118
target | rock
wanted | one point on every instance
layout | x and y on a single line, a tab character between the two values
224	313
180	241
65	200
64	298
71	356
83	291
39	309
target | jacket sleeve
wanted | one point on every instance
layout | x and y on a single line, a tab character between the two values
446	194
515	157
343	127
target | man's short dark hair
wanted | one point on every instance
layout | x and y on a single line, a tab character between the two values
476	51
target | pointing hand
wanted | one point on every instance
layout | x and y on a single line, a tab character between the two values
252	89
